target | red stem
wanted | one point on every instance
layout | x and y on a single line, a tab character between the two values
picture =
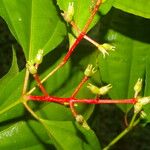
79	86
40	85
72	100
74	112
94	11
84	30
87	101
79	38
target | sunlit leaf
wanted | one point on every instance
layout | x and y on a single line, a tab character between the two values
76	137
34	23
11	87
24	135
138	7
82	12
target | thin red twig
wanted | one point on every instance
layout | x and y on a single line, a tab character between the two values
72	100
85	36
79	38
74	112
94	11
40	85
79	86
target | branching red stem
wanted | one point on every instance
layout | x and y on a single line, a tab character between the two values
74	100
84	30
79	38
85	36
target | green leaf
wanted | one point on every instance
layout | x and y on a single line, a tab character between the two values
146	108
24	135
11	86
29	134
130	61
35	24
138	7
76	137
12	72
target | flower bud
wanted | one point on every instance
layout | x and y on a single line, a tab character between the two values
68	15
79	119
104	89
141	101
144	100
89	71
39	57
138	87
99	91
137	108
143	115
94	89
108	47
31	68
104	48
82	121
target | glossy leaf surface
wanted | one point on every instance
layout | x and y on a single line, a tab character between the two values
11	86
76	137
82	12
130	35
138	7
34	23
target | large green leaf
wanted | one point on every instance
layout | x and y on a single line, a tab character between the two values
31	135
9	77
24	135
130	61
138	7
76	137
34	23
11	86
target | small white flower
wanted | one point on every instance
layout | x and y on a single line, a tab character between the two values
68	15
144	100
94	89
31	68
104	89
90	70
39	57
99	91
104	48
137	108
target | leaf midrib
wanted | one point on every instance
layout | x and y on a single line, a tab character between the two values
30	37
